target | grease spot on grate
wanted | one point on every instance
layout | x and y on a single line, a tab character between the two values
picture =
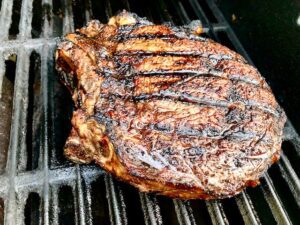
32	210
6	106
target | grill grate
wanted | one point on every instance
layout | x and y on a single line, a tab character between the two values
38	186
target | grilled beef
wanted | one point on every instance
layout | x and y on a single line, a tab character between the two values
167	110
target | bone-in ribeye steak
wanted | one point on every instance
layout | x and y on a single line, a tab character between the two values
167	110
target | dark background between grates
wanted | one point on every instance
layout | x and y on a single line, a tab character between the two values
270	32
39	186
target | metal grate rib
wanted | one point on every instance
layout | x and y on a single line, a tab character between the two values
48	178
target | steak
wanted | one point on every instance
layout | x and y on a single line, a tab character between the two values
167	110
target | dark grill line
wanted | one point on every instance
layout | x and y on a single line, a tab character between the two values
174	53
125	37
210	102
183	55
164	53
240	136
209	73
166	94
212	72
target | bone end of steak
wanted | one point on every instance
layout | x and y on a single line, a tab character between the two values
122	19
81	147
166	111
87	142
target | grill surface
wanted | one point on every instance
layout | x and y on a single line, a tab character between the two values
39	186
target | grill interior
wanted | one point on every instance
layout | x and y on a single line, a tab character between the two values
39	186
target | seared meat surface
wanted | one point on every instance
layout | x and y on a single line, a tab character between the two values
166	110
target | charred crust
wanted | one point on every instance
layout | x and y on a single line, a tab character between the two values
176	132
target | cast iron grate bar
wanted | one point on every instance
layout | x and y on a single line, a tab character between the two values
5	18
151	209
291	177
247	209
274	202
216	212
17	184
